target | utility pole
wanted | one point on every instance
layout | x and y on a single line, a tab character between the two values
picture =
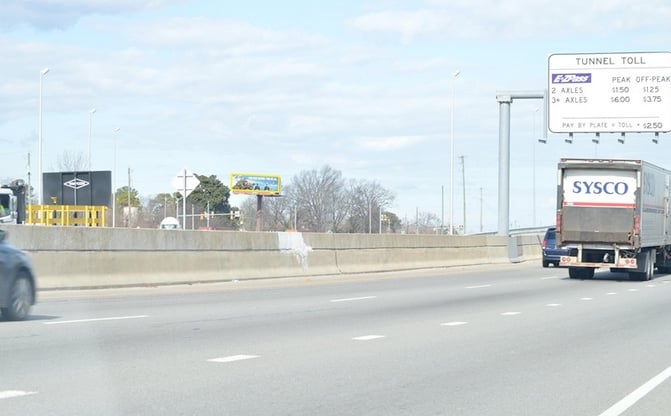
129	210
481	203
463	180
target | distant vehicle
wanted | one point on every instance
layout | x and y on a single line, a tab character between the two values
13	203
614	213
17	281
551	253
169	223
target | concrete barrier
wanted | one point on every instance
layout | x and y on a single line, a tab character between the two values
79	257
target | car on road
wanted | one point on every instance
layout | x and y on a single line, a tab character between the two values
17	281
551	253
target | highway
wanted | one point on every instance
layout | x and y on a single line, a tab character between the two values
512	339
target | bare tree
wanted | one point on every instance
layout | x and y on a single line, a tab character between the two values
70	161
319	198
367	201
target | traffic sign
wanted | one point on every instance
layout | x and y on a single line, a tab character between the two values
185	182
609	92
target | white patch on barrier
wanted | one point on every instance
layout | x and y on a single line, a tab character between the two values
293	243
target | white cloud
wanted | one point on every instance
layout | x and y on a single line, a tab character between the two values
61	14
391	143
514	19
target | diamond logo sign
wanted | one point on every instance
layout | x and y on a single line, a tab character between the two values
76	183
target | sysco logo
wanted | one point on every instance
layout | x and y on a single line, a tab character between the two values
571	78
596	188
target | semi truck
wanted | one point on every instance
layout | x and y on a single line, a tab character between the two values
13	203
613	213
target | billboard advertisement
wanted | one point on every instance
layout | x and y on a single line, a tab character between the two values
77	188
255	183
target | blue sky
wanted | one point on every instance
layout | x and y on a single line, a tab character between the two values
281	87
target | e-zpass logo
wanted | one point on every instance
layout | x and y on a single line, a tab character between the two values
571	78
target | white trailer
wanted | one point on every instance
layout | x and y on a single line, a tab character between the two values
613	213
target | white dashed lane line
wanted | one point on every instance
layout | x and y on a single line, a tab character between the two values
553	305
9	394
512	313
232	358
368	337
478	286
353	299
455	323
112	318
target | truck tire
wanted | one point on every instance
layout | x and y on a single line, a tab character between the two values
581	272
648	268
21	299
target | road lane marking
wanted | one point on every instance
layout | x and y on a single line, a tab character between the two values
455	323
353	299
611	293
633	290
112	318
477	286
552	277
510	313
624	404
8	394
368	337
233	358
586	299
553	305
651	286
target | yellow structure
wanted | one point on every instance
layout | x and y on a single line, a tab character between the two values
67	215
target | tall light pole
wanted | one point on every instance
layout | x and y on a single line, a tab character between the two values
116	131
43	72
91	112
455	74
533	161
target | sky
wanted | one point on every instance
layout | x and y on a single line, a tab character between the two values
366	87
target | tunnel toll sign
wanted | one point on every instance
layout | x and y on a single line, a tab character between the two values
609	93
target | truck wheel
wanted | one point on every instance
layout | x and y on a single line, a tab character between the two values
581	272
21	299
650	271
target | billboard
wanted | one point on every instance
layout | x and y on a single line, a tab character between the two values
77	188
255	183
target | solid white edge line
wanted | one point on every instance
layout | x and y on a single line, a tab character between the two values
624	404
8	394
368	337
232	358
353	299
113	318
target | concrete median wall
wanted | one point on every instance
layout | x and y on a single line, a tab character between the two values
78	257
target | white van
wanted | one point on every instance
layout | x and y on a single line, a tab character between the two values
169	223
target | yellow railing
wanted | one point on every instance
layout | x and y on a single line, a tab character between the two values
67	215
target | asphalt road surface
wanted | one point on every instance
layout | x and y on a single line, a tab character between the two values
504	340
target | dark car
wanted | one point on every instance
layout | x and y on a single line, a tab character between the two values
551	253
17	281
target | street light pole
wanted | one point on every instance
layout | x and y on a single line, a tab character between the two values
91	112
43	72
455	74
116	131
